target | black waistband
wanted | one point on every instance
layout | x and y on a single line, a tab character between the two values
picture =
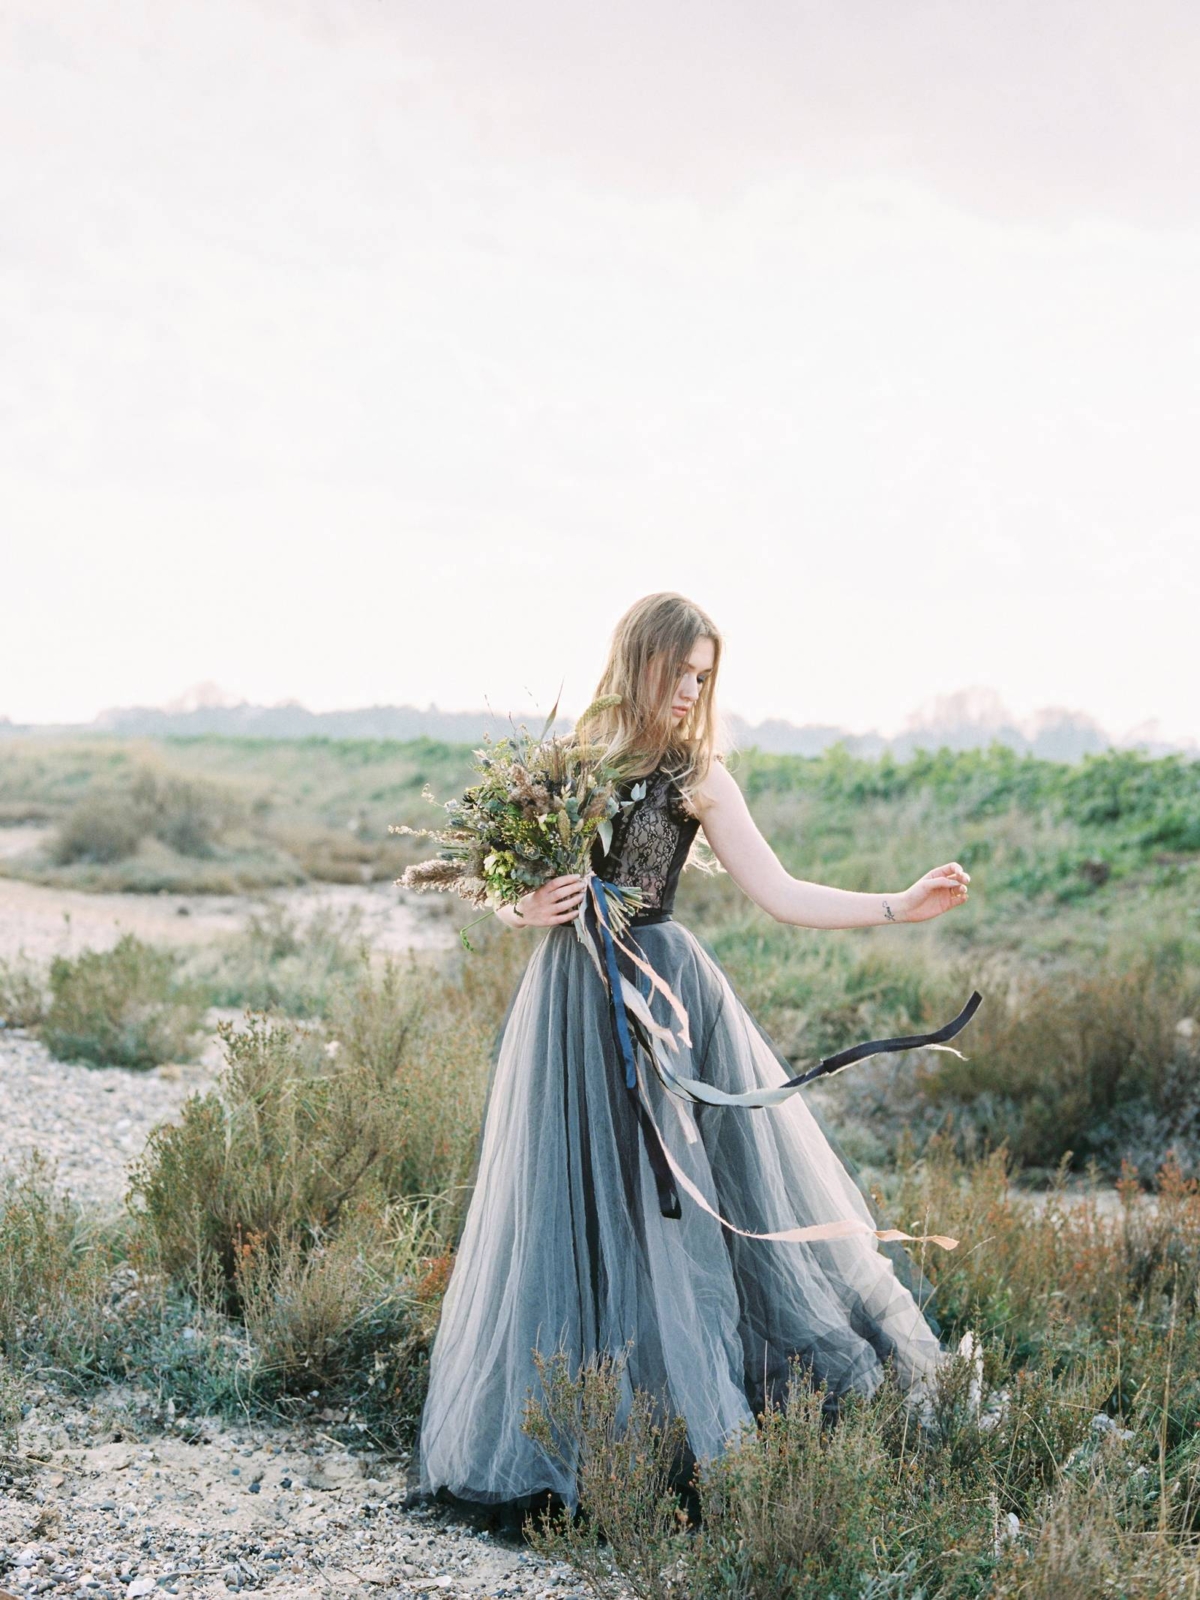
644	919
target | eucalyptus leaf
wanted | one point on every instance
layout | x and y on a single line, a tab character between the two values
605	830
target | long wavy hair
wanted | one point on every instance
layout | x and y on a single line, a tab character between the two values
646	656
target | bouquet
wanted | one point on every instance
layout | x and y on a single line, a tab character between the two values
538	807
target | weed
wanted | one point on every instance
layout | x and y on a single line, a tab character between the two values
23	995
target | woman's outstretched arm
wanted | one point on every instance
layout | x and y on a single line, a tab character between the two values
759	873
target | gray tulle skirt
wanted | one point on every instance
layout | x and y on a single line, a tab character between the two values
564	1247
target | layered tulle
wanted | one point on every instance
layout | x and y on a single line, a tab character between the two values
564	1247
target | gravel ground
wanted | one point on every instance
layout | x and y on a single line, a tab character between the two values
91	1121
103	1507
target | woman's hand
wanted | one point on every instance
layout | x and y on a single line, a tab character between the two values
938	891
556	901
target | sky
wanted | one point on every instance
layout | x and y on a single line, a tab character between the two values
368	351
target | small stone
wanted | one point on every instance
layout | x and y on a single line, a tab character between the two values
140	1587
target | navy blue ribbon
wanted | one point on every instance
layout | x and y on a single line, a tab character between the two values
624	1042
668	1198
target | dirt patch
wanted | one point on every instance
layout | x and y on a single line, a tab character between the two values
45	922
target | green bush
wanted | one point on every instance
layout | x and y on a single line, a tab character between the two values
274	1154
123	1007
188	814
303	1126
1095	1063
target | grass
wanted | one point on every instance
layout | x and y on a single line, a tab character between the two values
279	962
1085	1315
292	1233
23	993
1090	1324
214	815
124	1007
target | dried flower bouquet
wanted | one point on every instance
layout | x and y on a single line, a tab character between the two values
540	804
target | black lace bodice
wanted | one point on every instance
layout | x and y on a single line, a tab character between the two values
651	841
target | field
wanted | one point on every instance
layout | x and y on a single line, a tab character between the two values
282	1240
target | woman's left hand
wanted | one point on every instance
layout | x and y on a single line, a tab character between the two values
938	891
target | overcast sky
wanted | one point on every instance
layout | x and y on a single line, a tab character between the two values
362	351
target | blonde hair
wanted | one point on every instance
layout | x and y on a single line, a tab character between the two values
646	654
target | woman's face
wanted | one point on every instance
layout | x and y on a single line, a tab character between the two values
693	674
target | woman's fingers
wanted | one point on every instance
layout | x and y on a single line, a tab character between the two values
562	897
953	871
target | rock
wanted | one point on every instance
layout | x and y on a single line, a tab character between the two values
140	1587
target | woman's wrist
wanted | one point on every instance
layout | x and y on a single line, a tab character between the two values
895	908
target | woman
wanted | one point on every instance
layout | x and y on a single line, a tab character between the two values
568	1244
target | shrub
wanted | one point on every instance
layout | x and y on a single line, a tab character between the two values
272	1155
389	1112
11	1400
625	1455
188	814
323	1309
103	826
1091	1062
22	994
121	1007
108	823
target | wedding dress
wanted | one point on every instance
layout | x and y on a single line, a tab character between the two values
565	1245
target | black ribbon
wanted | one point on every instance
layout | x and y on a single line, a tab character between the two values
620	1022
884	1047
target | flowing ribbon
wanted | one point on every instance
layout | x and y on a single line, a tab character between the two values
627	1003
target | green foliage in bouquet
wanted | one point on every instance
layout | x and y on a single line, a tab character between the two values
540	804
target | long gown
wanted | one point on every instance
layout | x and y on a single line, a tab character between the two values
564	1246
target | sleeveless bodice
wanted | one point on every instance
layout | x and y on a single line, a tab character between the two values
651	840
